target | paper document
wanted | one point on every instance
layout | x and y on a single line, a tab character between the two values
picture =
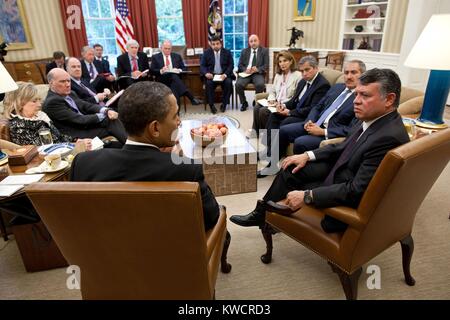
174	70
21	179
265	103
6	191
114	99
272	109
244	75
96	144
218	78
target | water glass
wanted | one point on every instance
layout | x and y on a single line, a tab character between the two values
45	136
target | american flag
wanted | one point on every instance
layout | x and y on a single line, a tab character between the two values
124	29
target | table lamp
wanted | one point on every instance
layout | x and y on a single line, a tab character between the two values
432	51
6	84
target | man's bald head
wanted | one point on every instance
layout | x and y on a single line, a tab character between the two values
253	41
59	81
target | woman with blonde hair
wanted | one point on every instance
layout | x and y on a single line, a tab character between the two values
23	110
283	88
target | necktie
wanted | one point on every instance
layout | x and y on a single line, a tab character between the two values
303	97
72	104
92	93
135	66
217	67
344	157
167	61
254	58
91	70
339	100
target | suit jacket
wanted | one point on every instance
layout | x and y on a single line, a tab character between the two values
124	65
352	178
340	123
262	60
301	108
68	120
81	92
85	72
292	83
226	62
143	163
105	65
158	62
52	65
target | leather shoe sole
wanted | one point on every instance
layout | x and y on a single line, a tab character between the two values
279	208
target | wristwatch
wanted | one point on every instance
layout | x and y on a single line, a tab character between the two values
307	198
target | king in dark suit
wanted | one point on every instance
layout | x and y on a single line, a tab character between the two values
166	67
254	61
338	174
131	65
150	119
332	117
78	118
217	61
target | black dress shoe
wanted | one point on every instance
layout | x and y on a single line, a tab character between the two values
244	106
223	108
279	208
196	102
254	218
213	109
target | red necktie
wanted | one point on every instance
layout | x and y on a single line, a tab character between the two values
135	66
167	61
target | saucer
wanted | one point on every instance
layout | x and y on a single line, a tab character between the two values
44	168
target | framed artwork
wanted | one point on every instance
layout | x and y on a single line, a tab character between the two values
14	26
304	10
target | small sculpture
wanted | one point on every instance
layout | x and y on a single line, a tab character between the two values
359	28
295	35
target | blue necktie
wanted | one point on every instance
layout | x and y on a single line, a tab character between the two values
91	70
217	66
336	104
303	98
72	104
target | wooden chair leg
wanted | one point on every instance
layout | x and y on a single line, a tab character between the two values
225	266
267	232
407	252
349	281
3	227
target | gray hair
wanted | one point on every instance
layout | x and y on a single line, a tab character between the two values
389	82
166	41
310	59
361	64
50	75
132	42
86	49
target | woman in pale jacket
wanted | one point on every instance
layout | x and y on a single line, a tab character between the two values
283	89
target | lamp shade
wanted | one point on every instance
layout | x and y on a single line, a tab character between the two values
432	49
6	82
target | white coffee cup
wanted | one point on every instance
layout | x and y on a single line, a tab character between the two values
53	160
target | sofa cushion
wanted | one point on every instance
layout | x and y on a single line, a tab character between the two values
332	76
412	106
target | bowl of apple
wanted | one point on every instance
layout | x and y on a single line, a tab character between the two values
210	134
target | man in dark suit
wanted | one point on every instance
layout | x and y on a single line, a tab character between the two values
166	66
78	118
131	65
330	118
310	90
254	61
149	112
59	61
338	174
93	72
217	61
98	52
83	89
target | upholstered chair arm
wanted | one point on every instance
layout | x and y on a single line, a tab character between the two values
213	235
347	215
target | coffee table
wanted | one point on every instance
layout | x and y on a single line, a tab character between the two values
229	168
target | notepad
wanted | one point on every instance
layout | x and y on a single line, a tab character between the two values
217	78
21	179
244	75
8	190
265	103
114	99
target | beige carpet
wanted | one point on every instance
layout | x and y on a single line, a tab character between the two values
295	272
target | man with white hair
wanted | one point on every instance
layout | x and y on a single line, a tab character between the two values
93	72
133	65
166	66
254	63
76	117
